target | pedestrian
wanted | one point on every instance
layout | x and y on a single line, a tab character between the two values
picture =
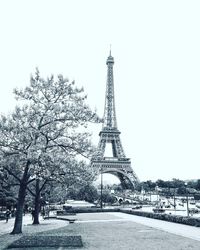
33	212
7	215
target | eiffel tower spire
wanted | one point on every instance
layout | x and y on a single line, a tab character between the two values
110	121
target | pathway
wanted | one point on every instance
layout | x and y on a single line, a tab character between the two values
116	231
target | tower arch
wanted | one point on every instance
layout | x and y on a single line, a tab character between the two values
124	178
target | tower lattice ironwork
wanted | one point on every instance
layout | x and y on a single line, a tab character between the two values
118	164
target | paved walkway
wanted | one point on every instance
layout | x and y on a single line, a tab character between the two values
45	225
115	231
28	228
175	228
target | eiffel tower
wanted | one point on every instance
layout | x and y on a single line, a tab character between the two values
118	164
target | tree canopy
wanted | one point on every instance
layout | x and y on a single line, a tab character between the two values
44	133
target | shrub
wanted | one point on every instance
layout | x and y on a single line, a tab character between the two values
167	217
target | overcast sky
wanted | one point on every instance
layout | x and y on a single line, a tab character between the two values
156	47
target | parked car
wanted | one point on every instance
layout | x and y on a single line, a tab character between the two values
158	210
137	207
194	210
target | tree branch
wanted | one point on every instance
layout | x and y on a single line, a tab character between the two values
30	181
43	185
11	173
31	192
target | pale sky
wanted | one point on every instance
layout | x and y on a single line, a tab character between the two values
156	47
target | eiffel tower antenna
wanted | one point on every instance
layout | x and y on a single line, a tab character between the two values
118	164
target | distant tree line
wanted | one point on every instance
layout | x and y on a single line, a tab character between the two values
170	187
179	185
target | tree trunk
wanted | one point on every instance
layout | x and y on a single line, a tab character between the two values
37	203
21	199
20	206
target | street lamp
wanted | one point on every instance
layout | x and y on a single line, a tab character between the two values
187	198
156	189
175	199
101	204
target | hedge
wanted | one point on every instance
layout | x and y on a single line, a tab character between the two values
167	217
159	216
92	210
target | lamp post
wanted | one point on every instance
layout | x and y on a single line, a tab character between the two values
156	188
101	204
187	198
175	199
142	193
